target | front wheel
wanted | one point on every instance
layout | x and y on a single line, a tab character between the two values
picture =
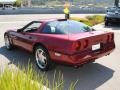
42	58
7	42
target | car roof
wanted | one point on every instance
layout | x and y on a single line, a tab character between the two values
49	20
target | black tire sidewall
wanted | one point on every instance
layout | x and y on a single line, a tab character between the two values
106	23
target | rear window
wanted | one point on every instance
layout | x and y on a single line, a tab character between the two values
65	27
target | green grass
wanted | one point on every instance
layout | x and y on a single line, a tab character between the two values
18	80
29	79
90	20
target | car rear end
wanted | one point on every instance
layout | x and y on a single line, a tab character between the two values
87	48
115	17
90	48
79	44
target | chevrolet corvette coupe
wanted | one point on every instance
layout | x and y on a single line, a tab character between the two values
61	41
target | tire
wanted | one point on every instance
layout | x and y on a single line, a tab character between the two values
8	44
43	59
106	23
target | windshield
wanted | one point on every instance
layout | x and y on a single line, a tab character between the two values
66	27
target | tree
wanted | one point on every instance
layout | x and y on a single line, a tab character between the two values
18	3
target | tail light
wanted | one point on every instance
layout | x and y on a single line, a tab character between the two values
110	37
86	42
76	45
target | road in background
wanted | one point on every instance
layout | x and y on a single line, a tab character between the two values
104	74
30	17
51	11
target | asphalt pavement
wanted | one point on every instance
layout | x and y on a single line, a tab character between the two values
52	10
104	74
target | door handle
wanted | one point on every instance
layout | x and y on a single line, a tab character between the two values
30	37
14	36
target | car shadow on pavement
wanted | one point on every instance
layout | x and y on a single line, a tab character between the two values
16	56
90	77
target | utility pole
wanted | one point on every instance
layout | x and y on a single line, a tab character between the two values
29	3
21	3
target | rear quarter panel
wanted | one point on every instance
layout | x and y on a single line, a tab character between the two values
57	43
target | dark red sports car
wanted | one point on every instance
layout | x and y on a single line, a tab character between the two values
61	41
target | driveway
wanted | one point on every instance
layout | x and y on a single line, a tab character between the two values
104	74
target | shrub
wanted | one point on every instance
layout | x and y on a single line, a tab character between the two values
96	19
90	20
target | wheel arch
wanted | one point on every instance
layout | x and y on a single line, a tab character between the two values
51	64
39	44
5	33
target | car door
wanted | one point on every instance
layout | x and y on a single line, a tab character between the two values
25	37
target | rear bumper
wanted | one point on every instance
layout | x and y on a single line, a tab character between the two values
80	58
112	19
89	57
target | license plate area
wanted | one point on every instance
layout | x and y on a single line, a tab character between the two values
96	47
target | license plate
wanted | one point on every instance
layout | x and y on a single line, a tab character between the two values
96	47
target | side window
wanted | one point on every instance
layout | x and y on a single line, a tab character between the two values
49	29
32	27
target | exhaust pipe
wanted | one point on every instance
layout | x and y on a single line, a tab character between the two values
80	66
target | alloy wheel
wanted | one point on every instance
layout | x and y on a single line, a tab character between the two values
41	58
7	42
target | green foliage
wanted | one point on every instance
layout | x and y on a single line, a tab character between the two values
29	79
17	80
17	3
72	86
90	20
96	19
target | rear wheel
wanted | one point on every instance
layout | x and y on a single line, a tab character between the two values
8	44
42	59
